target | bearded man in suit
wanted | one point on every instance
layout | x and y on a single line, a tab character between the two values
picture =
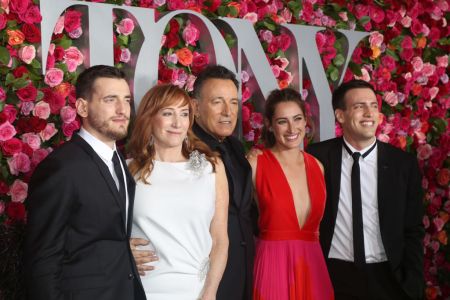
81	203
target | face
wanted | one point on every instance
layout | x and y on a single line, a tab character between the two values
107	114
170	126
217	110
360	118
288	125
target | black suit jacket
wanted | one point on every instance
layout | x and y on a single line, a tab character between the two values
240	226
76	244
399	204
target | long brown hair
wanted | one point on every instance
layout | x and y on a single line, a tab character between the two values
141	149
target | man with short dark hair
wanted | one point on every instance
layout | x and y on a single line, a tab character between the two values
81	203
215	97
371	232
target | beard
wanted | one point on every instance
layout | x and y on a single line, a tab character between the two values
104	127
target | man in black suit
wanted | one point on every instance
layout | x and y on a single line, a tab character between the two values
81	203
215	97
371	232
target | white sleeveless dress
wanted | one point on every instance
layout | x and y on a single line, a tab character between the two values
174	213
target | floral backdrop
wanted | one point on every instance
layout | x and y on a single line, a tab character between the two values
405	57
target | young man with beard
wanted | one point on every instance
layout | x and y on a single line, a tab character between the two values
371	232
81	203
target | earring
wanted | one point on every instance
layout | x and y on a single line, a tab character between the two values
151	141
270	129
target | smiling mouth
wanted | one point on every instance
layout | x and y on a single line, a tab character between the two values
225	122
291	137
367	123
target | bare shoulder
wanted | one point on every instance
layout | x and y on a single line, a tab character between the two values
320	164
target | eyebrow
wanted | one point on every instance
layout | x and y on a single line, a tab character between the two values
283	118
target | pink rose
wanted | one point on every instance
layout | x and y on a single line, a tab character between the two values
32	139
245	113
19	6
18	191
406	21
125	27
159	3
417	63
59	27
252	17
171	58
376	39
376	14
53	77
26	108
433	92
424	151
20	162
266	35
190	83
68	114
38	156
428	69
282	62
391	98
246	93
7	131
27	54
73	58
283	41
74	34
275	70
42	110
361	11
191	34
321	41
442	61
416	27
388	62
48	132
31	15
125	55
244	76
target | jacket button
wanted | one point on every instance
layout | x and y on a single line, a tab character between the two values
130	276
243	243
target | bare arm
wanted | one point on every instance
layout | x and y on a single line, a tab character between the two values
142	257
219	251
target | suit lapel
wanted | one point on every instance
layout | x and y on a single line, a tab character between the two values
247	185
104	171
384	180
131	187
335	161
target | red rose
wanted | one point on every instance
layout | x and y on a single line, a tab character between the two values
199	62
69	128
20	71
174	26
12	146
175	4
3	188
16	211
19	6
117	53
376	14
3	21
28	93
50	62
31	15
283	41
72	20
172	39
27	149
9	113
59	53
32	33
22	125
37	124
55	100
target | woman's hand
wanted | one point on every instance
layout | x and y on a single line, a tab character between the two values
141	257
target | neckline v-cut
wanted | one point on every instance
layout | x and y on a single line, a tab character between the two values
300	227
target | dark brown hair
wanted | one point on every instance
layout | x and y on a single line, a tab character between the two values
338	97
86	79
140	148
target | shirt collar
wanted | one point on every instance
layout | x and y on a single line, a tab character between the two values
362	151
102	149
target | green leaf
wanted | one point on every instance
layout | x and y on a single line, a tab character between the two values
295	7
20	83
64	42
339	60
233	12
334	73
222	11
9	79
364	20
2	105
356	69
40	96
439	124
392	53
4	56
269	25
444	41
36	64
122	40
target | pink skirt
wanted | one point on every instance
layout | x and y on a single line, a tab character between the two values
290	270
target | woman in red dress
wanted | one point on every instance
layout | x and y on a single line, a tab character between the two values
290	192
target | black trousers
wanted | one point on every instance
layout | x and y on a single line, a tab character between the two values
373	282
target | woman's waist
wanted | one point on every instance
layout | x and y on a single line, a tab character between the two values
277	235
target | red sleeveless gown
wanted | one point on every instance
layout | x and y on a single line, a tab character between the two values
289	263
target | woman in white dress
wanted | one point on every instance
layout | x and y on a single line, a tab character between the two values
181	200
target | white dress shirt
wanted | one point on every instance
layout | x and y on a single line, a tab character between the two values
106	154
342	242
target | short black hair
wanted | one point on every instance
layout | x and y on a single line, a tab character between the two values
213	72
337	99
276	97
86	79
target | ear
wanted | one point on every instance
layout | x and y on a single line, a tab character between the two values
339	114
81	106
195	104
267	124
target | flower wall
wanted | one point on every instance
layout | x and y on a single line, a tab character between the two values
405	57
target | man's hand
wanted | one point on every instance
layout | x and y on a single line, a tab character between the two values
142	257
253	153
